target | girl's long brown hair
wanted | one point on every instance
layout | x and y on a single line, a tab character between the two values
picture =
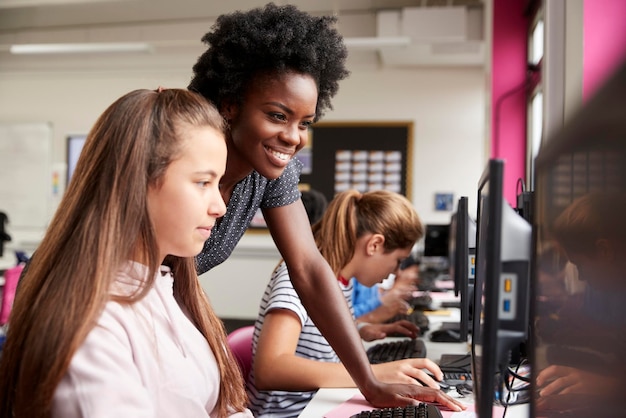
352	214
100	224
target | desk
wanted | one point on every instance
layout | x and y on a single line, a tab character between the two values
327	399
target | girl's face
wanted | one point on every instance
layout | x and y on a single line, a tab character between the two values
272	124
184	207
379	266
371	262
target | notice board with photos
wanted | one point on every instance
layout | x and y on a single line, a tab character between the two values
355	155
359	155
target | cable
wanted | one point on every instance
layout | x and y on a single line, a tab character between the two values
520	181
519	377
511	389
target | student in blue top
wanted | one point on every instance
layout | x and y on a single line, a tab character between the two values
377	305
365	236
272	72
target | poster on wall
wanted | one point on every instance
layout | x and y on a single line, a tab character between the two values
366	170
361	155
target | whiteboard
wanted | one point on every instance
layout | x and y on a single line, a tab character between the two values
25	173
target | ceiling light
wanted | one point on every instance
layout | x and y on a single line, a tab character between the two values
80	48
377	42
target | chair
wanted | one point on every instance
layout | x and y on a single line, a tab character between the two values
240	343
11	277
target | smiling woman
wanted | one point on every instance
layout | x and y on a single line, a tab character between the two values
272	72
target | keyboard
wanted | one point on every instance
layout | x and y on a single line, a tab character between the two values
422	302
419	318
456	378
396	350
422	410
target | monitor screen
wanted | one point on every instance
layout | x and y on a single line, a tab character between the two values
453	258
74	147
579	311
436	240
501	291
462	256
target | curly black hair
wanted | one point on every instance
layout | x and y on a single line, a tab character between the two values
269	40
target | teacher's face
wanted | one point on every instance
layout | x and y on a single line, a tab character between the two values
272	124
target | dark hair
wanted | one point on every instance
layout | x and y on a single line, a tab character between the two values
267	41
411	260
315	203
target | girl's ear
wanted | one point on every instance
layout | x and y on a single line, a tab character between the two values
375	244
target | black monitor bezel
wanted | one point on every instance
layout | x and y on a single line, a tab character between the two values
488	269
462	268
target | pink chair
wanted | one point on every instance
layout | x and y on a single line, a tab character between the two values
240	343
11	277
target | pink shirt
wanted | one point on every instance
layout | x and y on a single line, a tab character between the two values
141	360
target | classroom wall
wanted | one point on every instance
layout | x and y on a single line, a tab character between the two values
446	106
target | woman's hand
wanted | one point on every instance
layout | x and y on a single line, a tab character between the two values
409	371
371	332
398	394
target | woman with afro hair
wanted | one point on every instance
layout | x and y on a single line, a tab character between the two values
271	72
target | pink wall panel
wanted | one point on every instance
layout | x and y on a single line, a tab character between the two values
604	41
508	97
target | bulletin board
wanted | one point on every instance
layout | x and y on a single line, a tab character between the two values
354	155
360	155
25	173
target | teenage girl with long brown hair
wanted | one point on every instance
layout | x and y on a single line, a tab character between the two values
110	318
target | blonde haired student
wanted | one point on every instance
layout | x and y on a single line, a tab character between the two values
110	318
365	236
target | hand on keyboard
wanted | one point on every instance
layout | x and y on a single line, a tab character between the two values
422	410
404	328
404	394
418	318
414	370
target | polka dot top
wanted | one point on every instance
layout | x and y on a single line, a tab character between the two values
250	194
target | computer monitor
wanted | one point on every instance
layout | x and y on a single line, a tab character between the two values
462	250
436	240
503	256
579	274
453	259
74	147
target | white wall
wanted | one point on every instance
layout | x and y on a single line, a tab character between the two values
447	107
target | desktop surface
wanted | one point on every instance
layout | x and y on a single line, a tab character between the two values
344	402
